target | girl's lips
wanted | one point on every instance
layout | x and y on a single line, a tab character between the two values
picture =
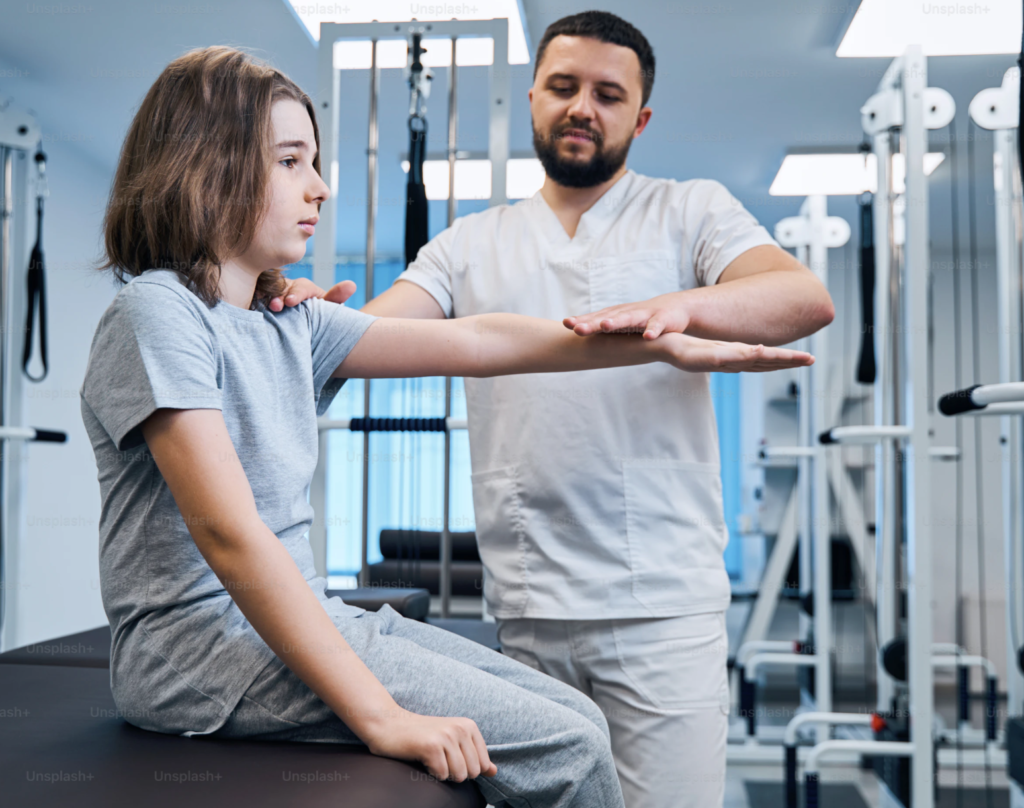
308	228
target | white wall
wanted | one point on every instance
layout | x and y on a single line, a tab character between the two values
53	573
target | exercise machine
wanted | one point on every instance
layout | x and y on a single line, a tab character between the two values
418	35
22	192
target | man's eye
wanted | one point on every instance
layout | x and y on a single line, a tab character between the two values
604	97
563	89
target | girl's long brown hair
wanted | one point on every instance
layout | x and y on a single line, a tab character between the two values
191	182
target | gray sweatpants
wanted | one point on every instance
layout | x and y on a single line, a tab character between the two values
549	741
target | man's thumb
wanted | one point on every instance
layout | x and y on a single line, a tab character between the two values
340	292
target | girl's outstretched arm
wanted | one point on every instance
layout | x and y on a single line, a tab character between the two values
503	344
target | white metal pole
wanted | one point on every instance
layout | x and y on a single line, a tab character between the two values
1007	203
917	466
816	211
885	476
327	106
446	536
373	137
805	509
6	217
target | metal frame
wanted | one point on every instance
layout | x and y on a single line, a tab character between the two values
812	233
328	102
997	109
901	103
20	133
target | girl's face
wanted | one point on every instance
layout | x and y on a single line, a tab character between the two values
294	194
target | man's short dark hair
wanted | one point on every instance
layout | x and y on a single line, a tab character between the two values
604	27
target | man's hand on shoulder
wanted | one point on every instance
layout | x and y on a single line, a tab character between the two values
301	289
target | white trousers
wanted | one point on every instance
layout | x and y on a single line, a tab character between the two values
661	684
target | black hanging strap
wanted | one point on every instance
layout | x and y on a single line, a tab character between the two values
36	287
866	369
416	212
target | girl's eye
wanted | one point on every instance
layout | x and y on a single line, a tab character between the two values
288	160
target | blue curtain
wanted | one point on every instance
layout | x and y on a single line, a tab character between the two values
725	393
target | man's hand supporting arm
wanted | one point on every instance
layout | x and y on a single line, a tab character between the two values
764	296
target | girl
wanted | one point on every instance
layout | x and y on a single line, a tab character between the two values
201	404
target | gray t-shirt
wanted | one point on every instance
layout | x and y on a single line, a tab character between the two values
183	653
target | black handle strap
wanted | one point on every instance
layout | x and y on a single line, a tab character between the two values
36	295
866	370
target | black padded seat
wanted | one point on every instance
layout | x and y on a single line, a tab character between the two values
91	649
63	743
475	630
411	603
86	649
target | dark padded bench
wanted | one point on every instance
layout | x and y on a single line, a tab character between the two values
63	743
91	649
411	603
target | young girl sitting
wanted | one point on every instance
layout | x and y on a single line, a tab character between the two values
201	403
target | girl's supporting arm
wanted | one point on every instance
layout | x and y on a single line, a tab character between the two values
195	455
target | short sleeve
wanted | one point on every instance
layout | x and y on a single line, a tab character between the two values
334	331
151	350
720	229
432	268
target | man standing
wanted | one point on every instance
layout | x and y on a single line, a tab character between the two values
598	496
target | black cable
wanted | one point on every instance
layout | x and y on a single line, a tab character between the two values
979	483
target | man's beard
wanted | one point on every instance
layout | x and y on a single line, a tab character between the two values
575	174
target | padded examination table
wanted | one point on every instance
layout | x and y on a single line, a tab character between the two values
62	743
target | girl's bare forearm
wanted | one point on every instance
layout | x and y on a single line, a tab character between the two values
486	345
512	343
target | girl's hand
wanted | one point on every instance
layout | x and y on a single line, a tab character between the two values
450	748
300	289
697	355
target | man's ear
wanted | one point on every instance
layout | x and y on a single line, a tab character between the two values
641	120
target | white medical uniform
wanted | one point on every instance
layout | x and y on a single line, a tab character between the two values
598	493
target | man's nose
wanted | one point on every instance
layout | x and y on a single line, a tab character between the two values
582	106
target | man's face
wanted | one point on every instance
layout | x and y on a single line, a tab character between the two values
586	109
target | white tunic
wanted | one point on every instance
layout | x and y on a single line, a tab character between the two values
597	493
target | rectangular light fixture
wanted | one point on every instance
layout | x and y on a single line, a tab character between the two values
940	27
523	178
312	14
840	174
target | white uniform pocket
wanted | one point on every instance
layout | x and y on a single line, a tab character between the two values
675	529
632	278
676	663
501	533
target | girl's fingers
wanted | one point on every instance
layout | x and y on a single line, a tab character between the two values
487	769
469	754
456	762
438	765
